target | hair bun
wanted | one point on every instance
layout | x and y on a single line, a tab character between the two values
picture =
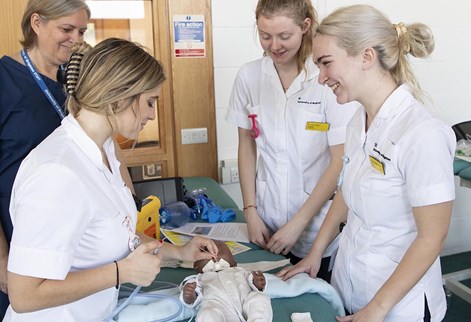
401	31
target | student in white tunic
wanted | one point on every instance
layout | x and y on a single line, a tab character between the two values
74	219
397	186
299	133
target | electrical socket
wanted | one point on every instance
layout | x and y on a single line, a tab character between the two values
227	167
234	174
193	136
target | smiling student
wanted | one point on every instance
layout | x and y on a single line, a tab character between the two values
295	126
397	184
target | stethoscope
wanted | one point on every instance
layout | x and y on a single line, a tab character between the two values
136	293
254	131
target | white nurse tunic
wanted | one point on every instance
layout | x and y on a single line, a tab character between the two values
68	212
293	147
415	154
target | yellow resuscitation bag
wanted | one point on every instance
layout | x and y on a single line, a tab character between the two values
148	218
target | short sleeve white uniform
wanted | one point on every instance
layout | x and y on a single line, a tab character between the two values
291	157
416	150
68	210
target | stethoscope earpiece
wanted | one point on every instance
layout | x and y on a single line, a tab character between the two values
254	131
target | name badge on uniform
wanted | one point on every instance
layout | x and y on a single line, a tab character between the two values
317	126
378	165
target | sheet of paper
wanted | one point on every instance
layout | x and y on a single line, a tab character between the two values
176	238
222	231
264	266
462	157
236	248
181	239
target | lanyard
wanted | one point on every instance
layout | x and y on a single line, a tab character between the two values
39	80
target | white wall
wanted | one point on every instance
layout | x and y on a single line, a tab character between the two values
234	43
444	76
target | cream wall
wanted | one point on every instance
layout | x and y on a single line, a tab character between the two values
444	76
234	43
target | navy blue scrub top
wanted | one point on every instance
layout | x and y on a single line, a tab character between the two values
26	118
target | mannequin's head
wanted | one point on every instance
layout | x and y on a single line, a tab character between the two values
223	253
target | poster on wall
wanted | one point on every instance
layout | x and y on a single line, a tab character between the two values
188	36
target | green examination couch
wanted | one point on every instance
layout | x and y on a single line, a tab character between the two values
320	309
462	168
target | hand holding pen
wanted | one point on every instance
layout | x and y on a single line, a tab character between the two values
141	266
157	249
198	248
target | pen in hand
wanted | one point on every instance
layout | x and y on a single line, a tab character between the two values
156	250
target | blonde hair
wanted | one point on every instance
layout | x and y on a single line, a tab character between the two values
358	27
47	10
109	77
298	10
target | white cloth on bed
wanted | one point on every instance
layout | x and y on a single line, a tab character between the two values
301	317
300	284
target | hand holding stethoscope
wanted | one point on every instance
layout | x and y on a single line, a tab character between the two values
254	131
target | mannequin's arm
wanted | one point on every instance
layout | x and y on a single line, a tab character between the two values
257	281
191	294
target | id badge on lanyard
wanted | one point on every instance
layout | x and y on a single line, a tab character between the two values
42	85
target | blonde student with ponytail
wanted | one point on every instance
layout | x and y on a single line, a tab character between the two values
74	240
397	183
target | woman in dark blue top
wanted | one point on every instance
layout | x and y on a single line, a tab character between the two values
26	118
28	112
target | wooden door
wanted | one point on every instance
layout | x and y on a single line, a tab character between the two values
193	94
10	26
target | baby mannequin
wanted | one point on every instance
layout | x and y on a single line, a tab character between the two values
225	292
